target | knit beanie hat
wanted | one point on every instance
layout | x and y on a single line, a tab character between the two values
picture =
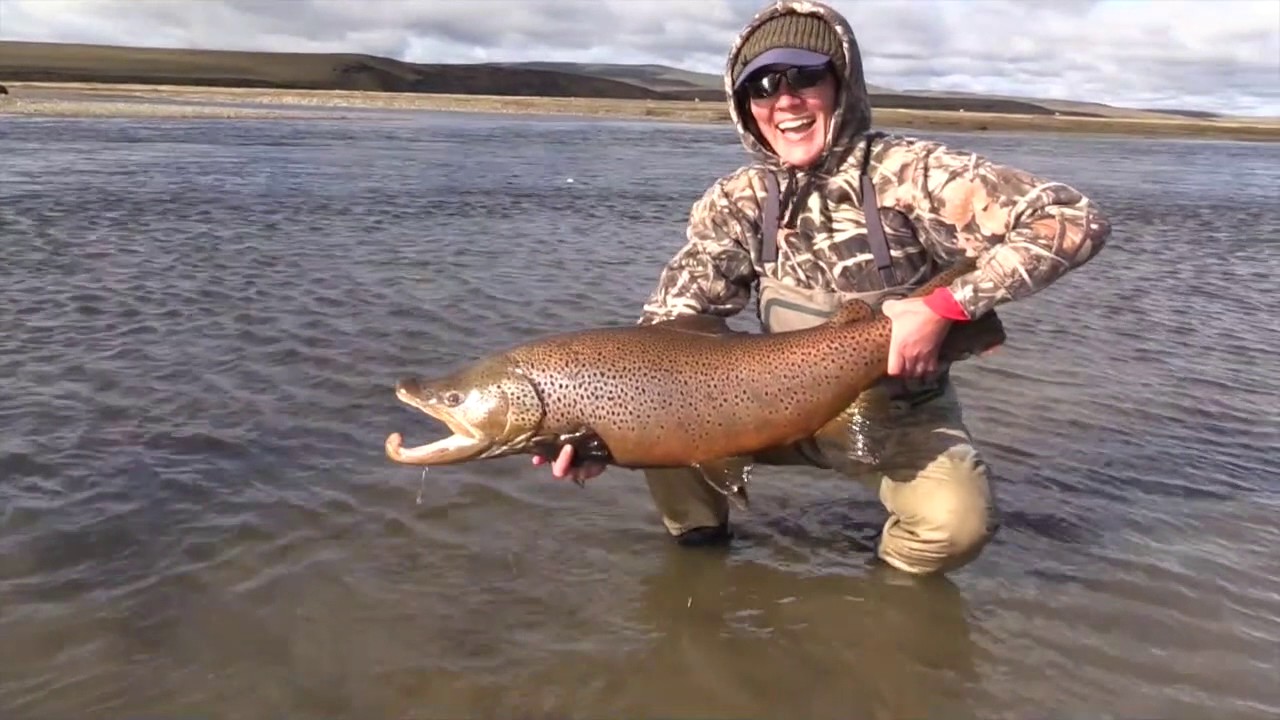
792	31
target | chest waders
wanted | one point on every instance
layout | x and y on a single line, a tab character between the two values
931	481
784	307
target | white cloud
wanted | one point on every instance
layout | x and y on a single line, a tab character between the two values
1218	55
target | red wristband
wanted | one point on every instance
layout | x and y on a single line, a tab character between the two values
942	302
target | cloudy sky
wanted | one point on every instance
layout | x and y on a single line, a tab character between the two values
1217	55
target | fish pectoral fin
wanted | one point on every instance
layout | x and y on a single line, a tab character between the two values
860	432
728	476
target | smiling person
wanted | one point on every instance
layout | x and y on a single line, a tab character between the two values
794	226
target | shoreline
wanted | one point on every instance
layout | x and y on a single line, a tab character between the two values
110	100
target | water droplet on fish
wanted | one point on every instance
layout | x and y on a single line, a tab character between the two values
423	487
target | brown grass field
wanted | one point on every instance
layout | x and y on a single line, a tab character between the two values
81	99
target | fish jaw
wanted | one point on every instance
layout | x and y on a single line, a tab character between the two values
446	451
464	443
492	408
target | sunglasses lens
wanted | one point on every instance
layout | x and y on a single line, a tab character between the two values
805	78
765	85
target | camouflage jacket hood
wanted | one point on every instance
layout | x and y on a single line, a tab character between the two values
935	203
852	115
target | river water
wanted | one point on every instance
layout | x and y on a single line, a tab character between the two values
201	323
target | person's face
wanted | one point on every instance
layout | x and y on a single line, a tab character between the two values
793	108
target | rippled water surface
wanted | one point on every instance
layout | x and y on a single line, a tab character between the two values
200	325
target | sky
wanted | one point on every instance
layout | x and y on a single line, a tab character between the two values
1214	55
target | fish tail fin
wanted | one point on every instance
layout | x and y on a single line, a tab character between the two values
978	337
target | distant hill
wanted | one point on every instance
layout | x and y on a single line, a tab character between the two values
654	77
65	62
58	62
1074	107
679	84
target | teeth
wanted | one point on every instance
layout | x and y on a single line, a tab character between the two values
794	124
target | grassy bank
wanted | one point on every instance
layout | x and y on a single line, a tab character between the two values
124	100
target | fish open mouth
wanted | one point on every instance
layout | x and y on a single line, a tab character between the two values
463	444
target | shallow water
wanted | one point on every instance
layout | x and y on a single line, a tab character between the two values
200	323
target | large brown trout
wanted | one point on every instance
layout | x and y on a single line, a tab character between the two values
685	392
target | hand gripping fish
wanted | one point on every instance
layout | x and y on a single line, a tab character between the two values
688	392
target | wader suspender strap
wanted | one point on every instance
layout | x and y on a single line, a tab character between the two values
769	228
875	228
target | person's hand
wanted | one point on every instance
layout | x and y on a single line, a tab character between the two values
561	469
916	338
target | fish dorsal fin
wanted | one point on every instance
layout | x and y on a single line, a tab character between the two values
696	324
852	311
728	476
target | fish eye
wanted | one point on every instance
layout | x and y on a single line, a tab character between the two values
453	398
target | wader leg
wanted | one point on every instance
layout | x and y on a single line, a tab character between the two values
688	504
694	511
937	490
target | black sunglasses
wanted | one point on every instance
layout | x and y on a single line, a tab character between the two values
765	84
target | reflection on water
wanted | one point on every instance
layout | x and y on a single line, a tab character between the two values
203	320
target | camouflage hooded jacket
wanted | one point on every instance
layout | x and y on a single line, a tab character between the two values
936	204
